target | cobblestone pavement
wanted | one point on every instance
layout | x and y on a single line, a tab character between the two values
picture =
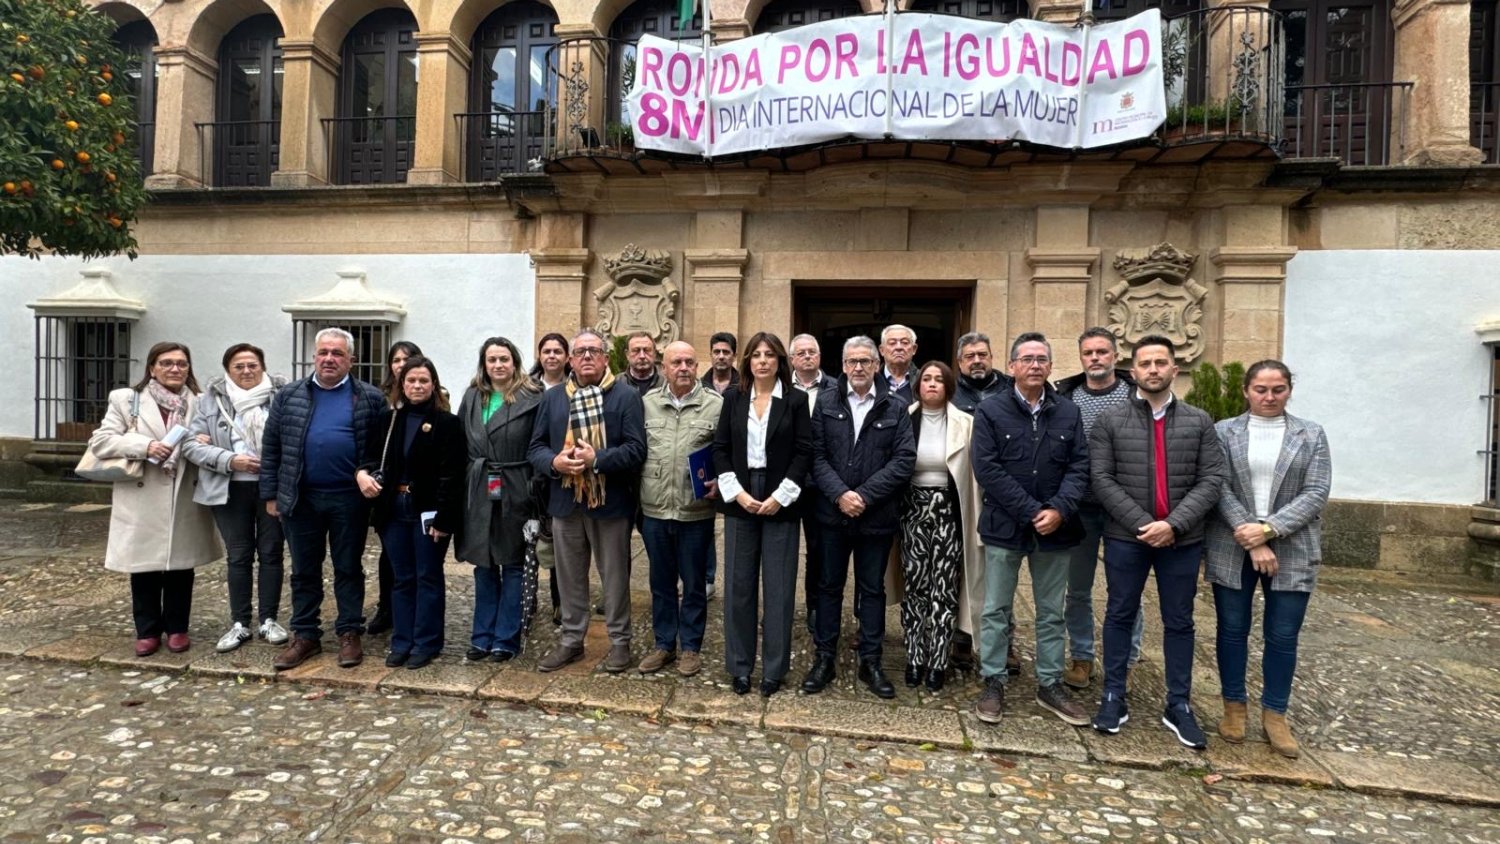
101	754
1398	693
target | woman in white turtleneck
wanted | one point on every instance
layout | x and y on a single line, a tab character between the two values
938	544
1266	532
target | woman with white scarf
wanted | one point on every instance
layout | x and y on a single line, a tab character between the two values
225	442
157	535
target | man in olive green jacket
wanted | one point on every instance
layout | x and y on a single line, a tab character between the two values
677	526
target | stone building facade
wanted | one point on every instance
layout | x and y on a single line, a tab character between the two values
467	157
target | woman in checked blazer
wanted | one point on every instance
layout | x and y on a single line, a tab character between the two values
1267	531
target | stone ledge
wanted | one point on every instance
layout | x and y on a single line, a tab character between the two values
1137	746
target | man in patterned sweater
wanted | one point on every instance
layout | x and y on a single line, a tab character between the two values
1096	389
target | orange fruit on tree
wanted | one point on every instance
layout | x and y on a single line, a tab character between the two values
57	164
72	125
115	221
109	175
83	157
10	187
106	76
118	137
37	71
20	80
105	99
23	38
109	147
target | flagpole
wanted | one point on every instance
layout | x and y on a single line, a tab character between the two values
708	84
890	62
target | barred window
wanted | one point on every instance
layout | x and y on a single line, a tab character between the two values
371	339
1492	454
78	361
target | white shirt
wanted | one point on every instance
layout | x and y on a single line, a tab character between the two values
1263	452
319	384
859	408
811	390
932	451
756	431
1034	407
894	384
1157	413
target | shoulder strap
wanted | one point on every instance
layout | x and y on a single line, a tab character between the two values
135	408
387	447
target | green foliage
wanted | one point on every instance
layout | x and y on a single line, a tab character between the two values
1210	116
69	180
618	361
1218	392
619	135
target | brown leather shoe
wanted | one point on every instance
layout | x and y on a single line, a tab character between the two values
350	651
298	652
559	656
1078	673
1232	725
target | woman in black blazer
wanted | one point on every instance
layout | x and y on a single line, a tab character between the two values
762	452
417	466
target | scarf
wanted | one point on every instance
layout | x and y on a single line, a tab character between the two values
251	407
176	406
586	424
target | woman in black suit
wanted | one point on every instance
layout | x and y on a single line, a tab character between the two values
762	452
417	466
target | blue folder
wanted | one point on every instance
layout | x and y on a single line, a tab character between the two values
701	466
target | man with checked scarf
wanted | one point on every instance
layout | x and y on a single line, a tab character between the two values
589	439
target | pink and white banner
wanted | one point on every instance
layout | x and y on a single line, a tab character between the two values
910	76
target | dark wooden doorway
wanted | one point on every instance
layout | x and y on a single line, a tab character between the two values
835	312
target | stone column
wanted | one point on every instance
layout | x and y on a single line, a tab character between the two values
184	96
713	274
1062	265
561	288
1057	11
1432	50
1251	283
443	68
308	94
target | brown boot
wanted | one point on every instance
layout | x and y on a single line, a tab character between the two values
1232	725
1279	734
1078	673
351	653
298	652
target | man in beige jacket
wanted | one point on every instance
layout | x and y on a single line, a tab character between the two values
677	527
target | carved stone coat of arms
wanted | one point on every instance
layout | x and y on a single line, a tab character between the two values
640	297
1157	296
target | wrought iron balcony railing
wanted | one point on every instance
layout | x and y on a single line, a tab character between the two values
244	152
369	150
494	144
1357	123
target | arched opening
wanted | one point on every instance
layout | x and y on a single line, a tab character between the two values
786	14
138	40
510	91
643	17
375	132
247	126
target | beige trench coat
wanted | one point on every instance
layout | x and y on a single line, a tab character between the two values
154	524
971	585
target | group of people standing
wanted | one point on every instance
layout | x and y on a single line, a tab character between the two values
943	483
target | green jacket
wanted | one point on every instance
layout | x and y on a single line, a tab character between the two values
672	433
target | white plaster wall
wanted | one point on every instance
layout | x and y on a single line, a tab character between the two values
453	302
1383	346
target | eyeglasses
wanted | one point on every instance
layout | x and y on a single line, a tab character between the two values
173	364
588	353
245	367
1032	360
805	353
859	363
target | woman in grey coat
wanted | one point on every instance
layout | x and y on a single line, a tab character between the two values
1267	531
224	441
497	414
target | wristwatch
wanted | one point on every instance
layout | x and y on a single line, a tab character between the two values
1266	528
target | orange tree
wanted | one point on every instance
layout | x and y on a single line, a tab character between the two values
69	180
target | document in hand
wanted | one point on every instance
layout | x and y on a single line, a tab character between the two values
171	440
701	466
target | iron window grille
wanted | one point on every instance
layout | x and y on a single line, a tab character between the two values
79	360
371	339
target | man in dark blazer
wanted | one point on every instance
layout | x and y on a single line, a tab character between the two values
589	439
863	456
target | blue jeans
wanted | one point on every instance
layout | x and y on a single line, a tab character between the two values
678	552
1126	565
327	524
1078	610
497	608
1282	625
418	600
1049	573
870	554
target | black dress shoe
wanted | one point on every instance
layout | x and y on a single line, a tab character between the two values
769	687
502	656
420	661
913	675
742	685
873	676
380	621
935	678
476	654
820	675
396	660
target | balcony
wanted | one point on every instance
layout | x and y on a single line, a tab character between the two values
495	144
244	152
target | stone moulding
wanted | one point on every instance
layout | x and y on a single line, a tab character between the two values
640	296
1156	295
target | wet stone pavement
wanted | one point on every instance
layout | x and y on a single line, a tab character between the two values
1397	705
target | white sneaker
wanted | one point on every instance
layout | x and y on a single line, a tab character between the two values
709	593
273	632
236	636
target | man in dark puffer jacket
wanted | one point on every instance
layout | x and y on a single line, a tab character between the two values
1157	508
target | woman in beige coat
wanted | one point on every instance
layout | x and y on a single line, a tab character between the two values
940	561
157	534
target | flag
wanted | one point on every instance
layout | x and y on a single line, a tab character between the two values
685	13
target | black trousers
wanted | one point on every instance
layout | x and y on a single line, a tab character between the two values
248	529
387	579
161	601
